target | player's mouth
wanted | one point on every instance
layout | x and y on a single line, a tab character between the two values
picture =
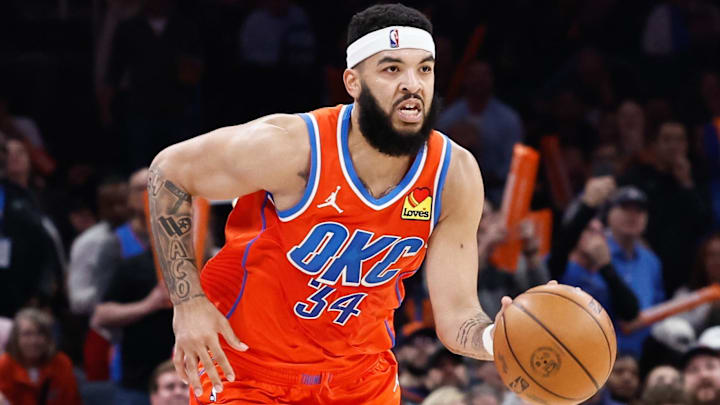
410	111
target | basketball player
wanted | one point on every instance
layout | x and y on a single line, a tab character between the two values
336	207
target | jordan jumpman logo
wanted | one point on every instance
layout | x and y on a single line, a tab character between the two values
330	201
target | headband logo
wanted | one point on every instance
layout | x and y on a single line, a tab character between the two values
394	38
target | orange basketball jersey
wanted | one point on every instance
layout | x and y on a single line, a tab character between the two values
316	285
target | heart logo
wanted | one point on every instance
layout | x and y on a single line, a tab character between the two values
419	195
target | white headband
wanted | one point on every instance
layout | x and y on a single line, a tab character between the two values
388	39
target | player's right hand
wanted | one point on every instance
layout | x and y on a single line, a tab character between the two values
197	324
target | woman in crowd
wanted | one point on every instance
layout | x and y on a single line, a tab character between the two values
32	371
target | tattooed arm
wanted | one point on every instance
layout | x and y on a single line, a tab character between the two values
223	164
451	266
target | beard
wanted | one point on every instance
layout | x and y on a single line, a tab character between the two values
376	126
705	394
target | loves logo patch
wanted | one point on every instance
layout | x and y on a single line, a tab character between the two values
417	205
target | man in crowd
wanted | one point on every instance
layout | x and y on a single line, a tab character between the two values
580	254
701	374
677	211
166	387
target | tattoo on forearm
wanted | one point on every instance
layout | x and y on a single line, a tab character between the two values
170	215
154	181
181	195
471	331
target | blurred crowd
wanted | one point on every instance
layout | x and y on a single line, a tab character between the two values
621	98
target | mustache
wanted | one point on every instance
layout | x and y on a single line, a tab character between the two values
408	97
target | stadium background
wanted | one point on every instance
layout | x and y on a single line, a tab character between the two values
90	91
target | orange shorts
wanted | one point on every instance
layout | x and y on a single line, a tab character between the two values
372	383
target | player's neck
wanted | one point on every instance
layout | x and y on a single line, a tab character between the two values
378	171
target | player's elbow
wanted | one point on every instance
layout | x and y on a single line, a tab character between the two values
447	334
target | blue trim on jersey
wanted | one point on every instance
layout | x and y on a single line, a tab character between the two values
353	175
313	170
390	333
245	256
441	182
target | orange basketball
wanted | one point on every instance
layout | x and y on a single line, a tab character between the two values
554	345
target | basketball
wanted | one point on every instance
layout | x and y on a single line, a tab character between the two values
554	345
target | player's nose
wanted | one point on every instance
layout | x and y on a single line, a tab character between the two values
411	83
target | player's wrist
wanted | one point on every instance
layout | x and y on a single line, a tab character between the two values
189	300
487	338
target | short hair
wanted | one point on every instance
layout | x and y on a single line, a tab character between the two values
43	321
162	368
664	394
386	15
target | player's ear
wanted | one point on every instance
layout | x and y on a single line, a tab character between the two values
351	79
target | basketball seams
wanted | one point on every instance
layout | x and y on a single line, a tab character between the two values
542	325
607	341
517	361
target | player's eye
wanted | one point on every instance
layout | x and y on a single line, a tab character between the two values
426	69
392	69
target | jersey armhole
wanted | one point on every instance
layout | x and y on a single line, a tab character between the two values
313	176
440	175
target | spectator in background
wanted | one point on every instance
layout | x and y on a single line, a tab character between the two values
666	29
709	145
156	64
566	117
449	395
637	266
487	374
413	355
446	369
166	387
25	131
701	375
96	252
18	163
270	34
669	340
27	253
705	272
677	212
624	381
32	371
116	11
662	376
672	394
278	51
133	234
581	255
140	307
19	171
483	394
631	128
496	127
94	255
493	283
6	325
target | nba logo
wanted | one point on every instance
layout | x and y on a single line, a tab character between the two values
394	38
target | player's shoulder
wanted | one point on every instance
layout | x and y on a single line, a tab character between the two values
463	167
463	184
272	136
282	126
